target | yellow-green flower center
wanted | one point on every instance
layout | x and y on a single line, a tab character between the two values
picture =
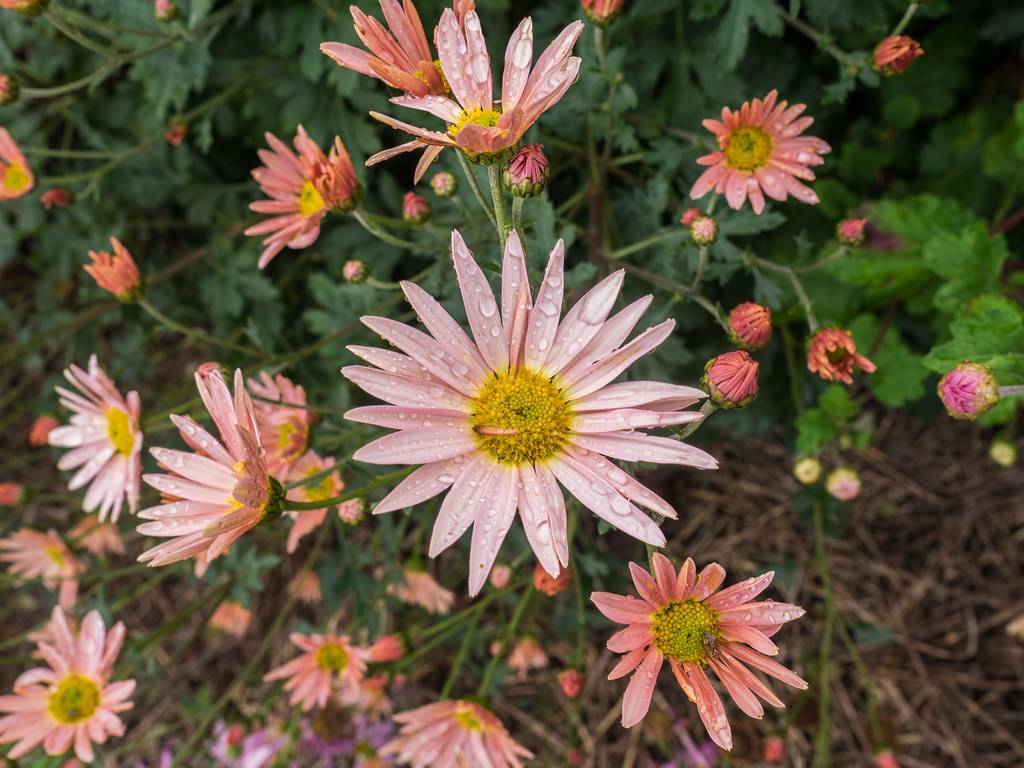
74	700
56	555
331	657
488	118
15	177
466	716
748	149
310	201
320	490
120	432
686	631
521	417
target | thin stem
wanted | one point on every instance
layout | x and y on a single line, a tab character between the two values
907	16
683	290
794	380
798	288
383	236
460	656
821	741
702	262
837	254
1012	390
474	184
73	34
363	490
517	214
510	630
498	198
640	245
705	410
822	40
192	333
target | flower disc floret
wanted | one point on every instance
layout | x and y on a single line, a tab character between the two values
74	700
466	716
681	630
120	431
332	658
748	149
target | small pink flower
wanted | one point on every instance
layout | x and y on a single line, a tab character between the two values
165	10
527	654
327	487
571	682
102	539
843	483
832	354
689	216
55	197
444	184
761	153
453	733
44	556
895	53
704	231
9	89
351	511
682	618
851	231
601	12
550	585
40	431
969	390
886	759
774	750
176	133
527	172
420	588
415	208
116	274
354	271
232	618
305	587
71	704
750	325
731	379
16	177
284	423
11	494
500	576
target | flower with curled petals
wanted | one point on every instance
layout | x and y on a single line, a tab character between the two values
117	273
101	539
682	618
70	703
45	556
832	354
761	152
527	404
475	124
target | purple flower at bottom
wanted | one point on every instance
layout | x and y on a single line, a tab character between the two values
234	748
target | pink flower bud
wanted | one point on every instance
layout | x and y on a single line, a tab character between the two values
176	133
897	52
526	174
731	379
851	231
443	183
886	759
601	12
351	511
116	274
11	494
843	483
165	10
24	7
9	88
689	216
387	648
969	390
415	208
58	196
774	750
354	271
41	430
500	576
571	682
750	325
543	582
704	231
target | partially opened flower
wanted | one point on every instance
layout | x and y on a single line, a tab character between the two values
97	537
550	585
16	177
220	491
454	734
895	53
750	325
284	423
475	124
420	588
529	403
527	654
327	486
232	618
305	587
117	273
680	617
761	152
832	354
55	197
601	12
103	438
71	702
36	555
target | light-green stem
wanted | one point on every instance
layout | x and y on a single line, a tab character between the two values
474	184
193	333
298	506
510	631
386	237
501	222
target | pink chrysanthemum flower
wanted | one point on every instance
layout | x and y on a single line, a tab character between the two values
477	125
216	494
117	273
45	556
761	153
55	197
731	379
16	177
832	354
571	682
601	12
104	439
311	676
750	325
895	53
71	704
454	734
284	428
681	619
420	588
101	539
327	487
527	654
529	404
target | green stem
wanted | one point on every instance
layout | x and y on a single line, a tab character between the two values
683	290
497	196
821	742
517	214
386	237
510	630
798	288
192	333
702	262
460	656
705	410
474	184
661	237
363	490
73	34
836	255
822	40
907	16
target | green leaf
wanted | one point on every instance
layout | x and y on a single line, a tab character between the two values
990	331
734	31
814	430
971	262
835	402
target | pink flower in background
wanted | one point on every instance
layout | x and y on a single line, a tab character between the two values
750	325
527	654
11	494
761	153
895	53
571	682
35	555
102	539
354	271
886	759
500	576
420	588
682	618
165	10
476	125
444	184
220	491
70	704
327	487
351	511
731	379
550	585
843	483
851	231
453	734
236	747
305	587
601	12
39	433
774	750
232	618
689	216
529	403
55	197
969	390
16	177
27	7
115	274
104	441
832	354
415	208
176	133
284	427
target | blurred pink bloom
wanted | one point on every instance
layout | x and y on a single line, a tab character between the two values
500	576
327	487
969	390
415	208
354	271
443	183
527	654
16	177
550	585
351	511
476	125
774	750
28	7
731	379
886	759
843	483
895	53
527	171
453	734
680	618
529	403
420	588
236	747
39	433
9	88
101	539
761	153
104	439
232	618
70	704
115	274
601	12
216	494
832	354
750	325
11	494
284	428
45	556
56	196
851	231
689	216
305	587
571	682
176	133
165	10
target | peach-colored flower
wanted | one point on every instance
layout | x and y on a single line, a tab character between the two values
115	274
761	153
372	699
71	704
550	585
420	588
601	12
305	587
750	325
571	682
232	618
104	439
689	216
284	424
476	125
527	654
680	618
11	494
832	354
16	177
501	574
527	171
55	197
502	420
969	390
40	431
216	494
327	487
851	231
774	750
176	133
45	556
731	379
843	483
311	675
101	539
454	734
895	53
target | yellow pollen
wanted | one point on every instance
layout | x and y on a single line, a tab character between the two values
55	554
331	657
466	717
748	149
120	431
488	118
323	489
685	631
15	177
310	201
521	417
74	700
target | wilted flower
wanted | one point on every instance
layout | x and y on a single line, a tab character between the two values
843	483
16	177
529	404
689	216
11	494
731	379
420	588
40	431
851	231
895	53
9	88
601	12
44	556
476	125
415	208
116	274
550	585
762	153
56	196
704	231
103	438
453	733
969	390
284	423
1002	452
100	538
165	10
886	759
571	682
750	325
443	183
807	470
176	133
832	354
774	750
679	617
328	486
305	587
354	271
232	618
527	654
70	703
501	574
527	171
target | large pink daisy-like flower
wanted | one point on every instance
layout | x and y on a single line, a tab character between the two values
216	494
680	618
454	734
70	703
477	125
104	439
284	424
526	404
45	556
761	153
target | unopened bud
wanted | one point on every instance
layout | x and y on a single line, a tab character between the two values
415	208
750	325
897	52
704	231
354	271
969	390
851	231
444	184
527	171
807	470
843	483
731	379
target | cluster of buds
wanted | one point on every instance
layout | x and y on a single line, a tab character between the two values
969	390
897	52
731	379
601	12
750	325
851	231
415	208
526	173
9	88
116	273
443	183
354	271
